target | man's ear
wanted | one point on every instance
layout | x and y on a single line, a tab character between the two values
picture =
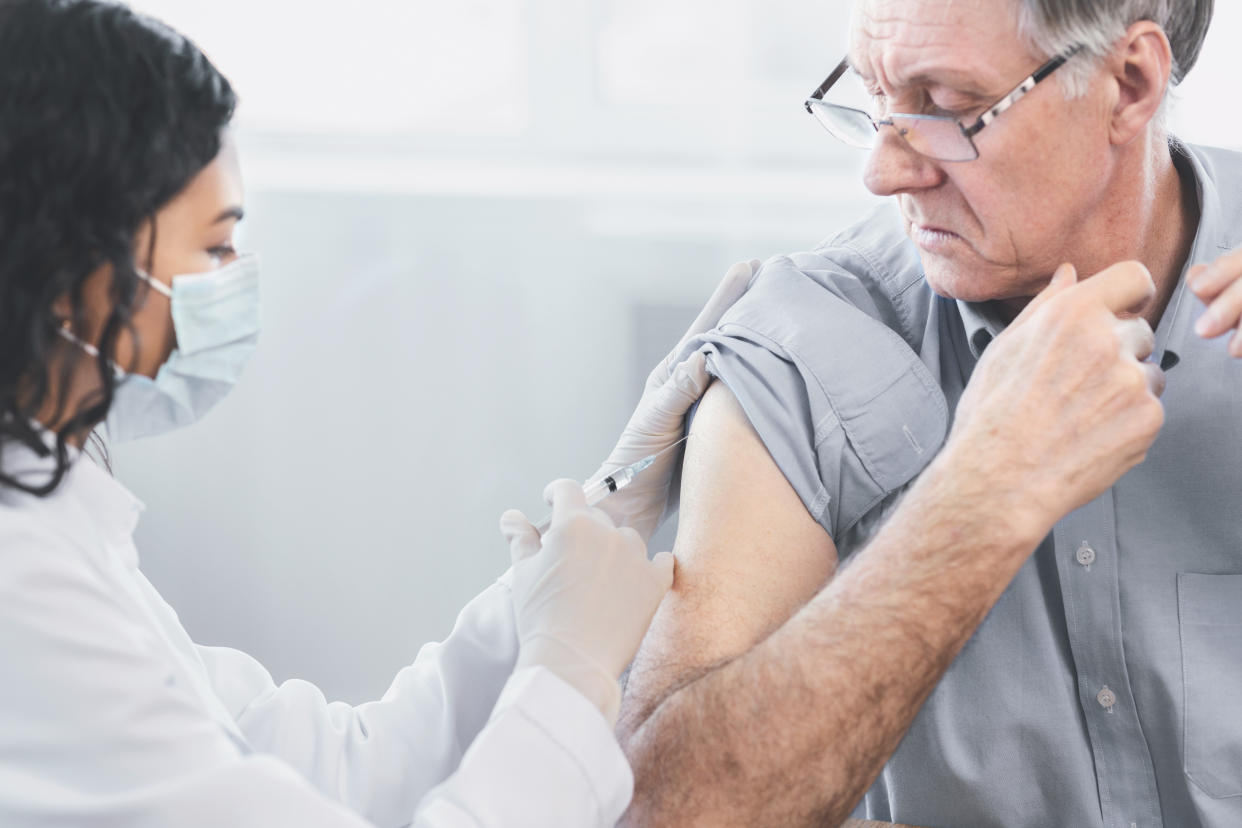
1141	64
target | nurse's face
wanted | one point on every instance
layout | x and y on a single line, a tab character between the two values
996	227
192	233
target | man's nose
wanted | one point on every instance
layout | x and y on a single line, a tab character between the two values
895	167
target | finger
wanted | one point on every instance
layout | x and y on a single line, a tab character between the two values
1223	314
664	564
731	288
1065	276
1126	286
1155	378
1207	280
522	537
1193	277
1235	345
681	390
1137	338
564	495
630	537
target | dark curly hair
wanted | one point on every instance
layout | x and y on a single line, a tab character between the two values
105	116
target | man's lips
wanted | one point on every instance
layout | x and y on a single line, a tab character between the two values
925	227
933	239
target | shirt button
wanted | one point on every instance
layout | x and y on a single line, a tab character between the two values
1085	555
1107	698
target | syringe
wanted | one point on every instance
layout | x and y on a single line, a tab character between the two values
615	482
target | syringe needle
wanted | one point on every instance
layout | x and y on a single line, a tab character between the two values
599	490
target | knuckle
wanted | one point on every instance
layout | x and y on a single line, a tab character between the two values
630	537
1157	416
1149	336
1152	420
1066	306
598	516
1111	338
1138	271
579	522
1134	382
1158	383
1100	342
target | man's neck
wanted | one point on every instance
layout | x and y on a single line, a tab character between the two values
1151	216
1170	232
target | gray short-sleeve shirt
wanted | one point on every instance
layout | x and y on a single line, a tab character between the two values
1105	687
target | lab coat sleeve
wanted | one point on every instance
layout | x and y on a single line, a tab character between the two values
546	759
96	726
381	758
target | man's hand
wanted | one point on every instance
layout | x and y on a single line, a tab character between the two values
1061	404
757	676
1219	286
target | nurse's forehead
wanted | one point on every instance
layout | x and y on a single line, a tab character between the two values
972	45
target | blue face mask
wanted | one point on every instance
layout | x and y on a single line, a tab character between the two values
216	320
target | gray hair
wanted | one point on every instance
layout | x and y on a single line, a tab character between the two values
1055	26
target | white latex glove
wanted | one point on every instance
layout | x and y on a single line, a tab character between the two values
583	594
659	420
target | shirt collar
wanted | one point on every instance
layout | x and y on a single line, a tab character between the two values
110	510
1212	239
983	323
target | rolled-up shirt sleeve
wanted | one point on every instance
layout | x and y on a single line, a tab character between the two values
842	403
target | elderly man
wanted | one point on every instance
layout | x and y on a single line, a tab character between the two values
910	463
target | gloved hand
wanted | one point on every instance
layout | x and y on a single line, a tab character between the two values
659	420
583	594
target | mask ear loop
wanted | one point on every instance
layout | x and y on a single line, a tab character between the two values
66	332
157	285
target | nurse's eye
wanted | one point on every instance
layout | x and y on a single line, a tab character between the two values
223	251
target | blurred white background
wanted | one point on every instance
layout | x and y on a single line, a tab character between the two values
481	222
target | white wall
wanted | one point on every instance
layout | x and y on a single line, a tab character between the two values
481	222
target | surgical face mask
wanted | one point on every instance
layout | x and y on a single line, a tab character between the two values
216	320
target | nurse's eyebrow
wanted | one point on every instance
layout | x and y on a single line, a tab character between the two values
231	213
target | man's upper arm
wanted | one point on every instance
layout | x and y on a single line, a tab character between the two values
749	555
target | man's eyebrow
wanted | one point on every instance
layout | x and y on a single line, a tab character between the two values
231	213
952	80
958	83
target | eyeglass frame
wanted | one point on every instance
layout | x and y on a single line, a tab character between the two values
969	132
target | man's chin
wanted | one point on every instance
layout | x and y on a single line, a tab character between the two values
953	281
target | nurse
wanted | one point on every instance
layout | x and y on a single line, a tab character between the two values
123	300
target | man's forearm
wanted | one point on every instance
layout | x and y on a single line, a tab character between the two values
794	731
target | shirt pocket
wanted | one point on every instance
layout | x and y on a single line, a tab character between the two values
1209	609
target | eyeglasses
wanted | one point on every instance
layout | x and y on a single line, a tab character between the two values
939	137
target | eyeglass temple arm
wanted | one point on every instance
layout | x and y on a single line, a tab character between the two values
1016	95
818	94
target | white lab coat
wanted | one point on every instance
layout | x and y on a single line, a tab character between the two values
111	716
